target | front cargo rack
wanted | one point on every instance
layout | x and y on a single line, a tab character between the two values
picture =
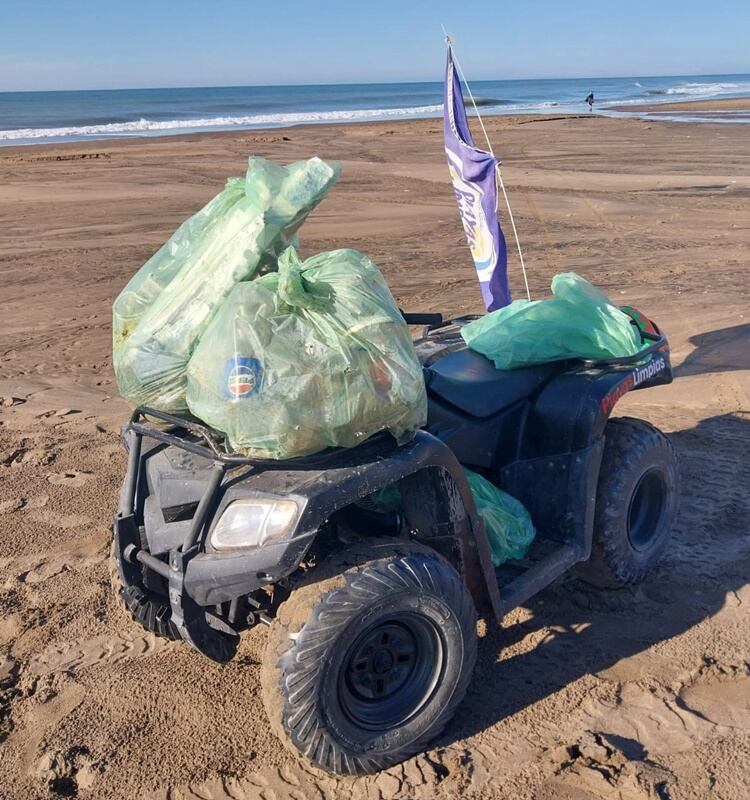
215	447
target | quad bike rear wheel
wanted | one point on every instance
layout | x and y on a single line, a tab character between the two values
369	657
636	503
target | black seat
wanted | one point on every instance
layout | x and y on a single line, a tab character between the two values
472	383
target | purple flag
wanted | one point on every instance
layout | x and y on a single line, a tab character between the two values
473	174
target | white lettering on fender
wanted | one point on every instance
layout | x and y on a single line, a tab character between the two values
644	373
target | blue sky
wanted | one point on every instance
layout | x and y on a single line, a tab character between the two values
70	44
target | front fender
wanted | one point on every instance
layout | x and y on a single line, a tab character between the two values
439	509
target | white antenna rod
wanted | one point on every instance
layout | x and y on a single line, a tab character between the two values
498	173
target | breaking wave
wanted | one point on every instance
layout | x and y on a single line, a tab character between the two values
144	126
81	116
699	89
489	101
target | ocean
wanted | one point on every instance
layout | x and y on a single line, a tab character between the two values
36	117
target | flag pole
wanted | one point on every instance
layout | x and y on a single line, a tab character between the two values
498	172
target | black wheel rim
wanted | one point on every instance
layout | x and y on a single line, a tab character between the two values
646	509
391	671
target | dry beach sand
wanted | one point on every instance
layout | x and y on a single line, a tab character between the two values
634	694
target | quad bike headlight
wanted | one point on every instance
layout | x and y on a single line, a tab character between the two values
251	522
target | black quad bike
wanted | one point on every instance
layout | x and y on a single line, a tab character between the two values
372	613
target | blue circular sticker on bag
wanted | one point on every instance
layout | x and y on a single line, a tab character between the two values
242	377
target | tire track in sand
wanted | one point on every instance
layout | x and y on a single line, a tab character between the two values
74	656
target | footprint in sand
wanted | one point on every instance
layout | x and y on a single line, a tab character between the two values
72	478
8	669
64	772
66	412
39	456
105	649
439	773
31	571
64	521
665	722
599	764
7	402
9	506
720	693
14	457
724	704
36	502
10	627
44	572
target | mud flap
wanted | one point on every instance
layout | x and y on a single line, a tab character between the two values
207	633
204	631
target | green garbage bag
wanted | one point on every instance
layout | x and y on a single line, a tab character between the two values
508	524
578	322
386	499
161	313
316	355
147	284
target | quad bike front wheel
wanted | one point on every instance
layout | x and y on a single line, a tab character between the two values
369	657
636	503
149	609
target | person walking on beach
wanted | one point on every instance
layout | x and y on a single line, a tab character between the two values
590	101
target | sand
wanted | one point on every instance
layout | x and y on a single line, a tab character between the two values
582	694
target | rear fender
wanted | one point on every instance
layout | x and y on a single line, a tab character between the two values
562	440
572	410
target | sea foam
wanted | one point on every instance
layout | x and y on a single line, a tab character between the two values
144	126
703	90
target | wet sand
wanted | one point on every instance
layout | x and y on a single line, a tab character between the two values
582	694
727	105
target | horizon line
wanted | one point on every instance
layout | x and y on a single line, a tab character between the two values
368	83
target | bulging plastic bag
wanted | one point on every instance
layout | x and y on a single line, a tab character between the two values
508	524
314	356
578	322
164	309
